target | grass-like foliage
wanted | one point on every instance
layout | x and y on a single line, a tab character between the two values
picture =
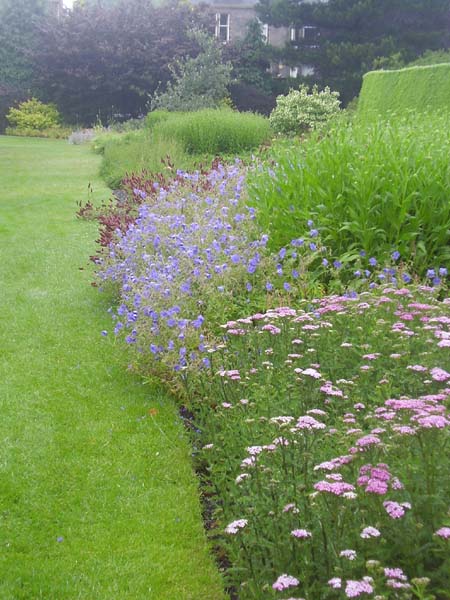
378	187
185	140
136	151
324	431
222	131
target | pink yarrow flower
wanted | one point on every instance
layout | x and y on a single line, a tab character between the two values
301	533
350	554
235	526
336	583
396	510
353	589
284	582
443	532
439	374
369	532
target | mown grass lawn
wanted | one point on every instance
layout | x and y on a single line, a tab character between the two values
97	495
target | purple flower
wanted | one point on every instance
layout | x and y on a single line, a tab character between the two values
337	264
395	255
313	233
373	261
312	246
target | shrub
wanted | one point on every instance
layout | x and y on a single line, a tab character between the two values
421	88
377	188
215	131
33	115
301	111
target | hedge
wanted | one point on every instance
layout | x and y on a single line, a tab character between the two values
419	88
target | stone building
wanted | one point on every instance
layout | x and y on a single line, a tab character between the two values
232	17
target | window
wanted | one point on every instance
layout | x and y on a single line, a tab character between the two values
223	27
308	33
307	70
293	34
293	72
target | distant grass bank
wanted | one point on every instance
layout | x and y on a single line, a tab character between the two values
97	495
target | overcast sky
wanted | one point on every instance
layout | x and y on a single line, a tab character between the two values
68	3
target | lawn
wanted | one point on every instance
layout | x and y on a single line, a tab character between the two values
97	493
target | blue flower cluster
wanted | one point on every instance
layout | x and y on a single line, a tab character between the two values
183	252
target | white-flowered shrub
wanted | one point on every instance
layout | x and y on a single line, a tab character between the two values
302	110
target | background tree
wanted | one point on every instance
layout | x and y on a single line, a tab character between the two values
354	33
197	83
18	41
251	85
102	61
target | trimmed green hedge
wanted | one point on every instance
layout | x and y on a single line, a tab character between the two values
415	88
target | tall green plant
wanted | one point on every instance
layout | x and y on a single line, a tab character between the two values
380	187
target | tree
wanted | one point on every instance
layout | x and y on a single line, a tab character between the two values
18	41
199	82
105	60
354	33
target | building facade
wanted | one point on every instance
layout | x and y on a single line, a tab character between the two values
232	17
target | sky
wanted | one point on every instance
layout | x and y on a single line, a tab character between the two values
68	3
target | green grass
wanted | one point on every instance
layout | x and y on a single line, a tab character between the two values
81	456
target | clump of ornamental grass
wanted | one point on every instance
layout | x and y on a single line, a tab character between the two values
323	430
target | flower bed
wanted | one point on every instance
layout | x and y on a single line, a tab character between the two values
320	425
323	430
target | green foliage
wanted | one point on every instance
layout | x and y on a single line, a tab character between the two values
56	133
249	58
302	110
431	57
215	131
155	117
419	88
197	83
355	33
137	151
179	140
376	187
34	115
103	60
